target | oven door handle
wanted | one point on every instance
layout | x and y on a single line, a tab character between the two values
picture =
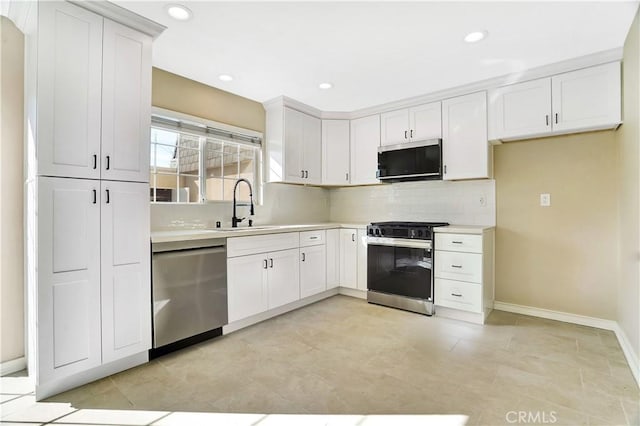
395	242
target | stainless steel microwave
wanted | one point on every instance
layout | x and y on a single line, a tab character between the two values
410	161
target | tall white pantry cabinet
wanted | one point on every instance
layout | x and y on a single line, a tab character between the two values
88	91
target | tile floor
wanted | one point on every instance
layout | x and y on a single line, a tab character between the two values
352	363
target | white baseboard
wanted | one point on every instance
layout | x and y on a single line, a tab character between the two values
632	358
13	366
556	315
360	294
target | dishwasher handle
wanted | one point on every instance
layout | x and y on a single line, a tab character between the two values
191	252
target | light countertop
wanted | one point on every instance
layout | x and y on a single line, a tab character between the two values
200	234
462	229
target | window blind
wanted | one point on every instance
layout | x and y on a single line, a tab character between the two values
203	130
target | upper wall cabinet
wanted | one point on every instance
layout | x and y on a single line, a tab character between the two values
365	140
93	96
583	100
335	152
465	148
412	124
293	146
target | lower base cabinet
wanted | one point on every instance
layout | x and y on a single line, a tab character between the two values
93	274
313	270
349	258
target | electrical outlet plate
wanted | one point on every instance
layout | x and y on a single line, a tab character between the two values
545	200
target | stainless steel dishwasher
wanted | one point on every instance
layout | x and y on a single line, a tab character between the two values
189	293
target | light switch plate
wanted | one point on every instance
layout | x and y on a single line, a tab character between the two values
545	200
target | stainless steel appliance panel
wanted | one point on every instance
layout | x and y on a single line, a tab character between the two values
189	291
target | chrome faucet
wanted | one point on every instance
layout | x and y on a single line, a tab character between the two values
234	220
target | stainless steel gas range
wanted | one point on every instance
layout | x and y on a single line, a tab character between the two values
400	265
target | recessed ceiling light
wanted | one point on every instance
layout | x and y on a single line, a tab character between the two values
225	77
475	36
179	12
325	86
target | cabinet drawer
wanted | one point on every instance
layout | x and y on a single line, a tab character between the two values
312	238
241	246
459	242
458	266
458	295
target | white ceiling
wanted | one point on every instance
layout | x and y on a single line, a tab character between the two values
374	53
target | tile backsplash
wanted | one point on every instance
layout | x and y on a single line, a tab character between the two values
461	203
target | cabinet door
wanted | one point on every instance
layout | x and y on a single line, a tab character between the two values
365	140
312	155
333	258
394	127
348	258
126	103
335	152
587	99
69	91
246	286
521	110
313	270
125	272
68	289
425	122
293	145
465	148
361	237
283	277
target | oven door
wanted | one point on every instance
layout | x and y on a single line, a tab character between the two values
400	267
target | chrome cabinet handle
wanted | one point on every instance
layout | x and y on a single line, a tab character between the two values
108	196
303	257
457	266
456	294
271	262
265	264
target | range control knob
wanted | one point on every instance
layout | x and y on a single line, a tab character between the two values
382	231
377	231
419	232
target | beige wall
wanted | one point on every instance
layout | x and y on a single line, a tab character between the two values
562	257
628	139
171	91
11	192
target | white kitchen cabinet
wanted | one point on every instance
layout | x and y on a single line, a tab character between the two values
349	258
93	96
418	123
294	147
68	280
69	96
125	269
126	103
365	140
313	270
246	286
582	100
263	272
464	274
94	293
333	258
361	250
335	152
587	99
465	147
521	110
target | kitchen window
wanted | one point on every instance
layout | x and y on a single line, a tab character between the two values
194	162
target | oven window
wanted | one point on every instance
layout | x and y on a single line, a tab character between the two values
399	270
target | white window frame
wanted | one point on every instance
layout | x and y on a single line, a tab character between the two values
258	181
